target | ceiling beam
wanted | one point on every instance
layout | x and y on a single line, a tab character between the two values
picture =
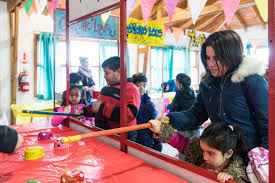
204	21
241	20
218	24
258	16
12	4
184	14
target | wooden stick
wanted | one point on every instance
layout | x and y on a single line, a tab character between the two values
104	133
50	113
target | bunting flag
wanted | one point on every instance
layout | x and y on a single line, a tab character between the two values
129	5
170	6
262	6
40	5
56	3
50	9
177	32
229	7
29	7
146	8
104	17
195	8
166	27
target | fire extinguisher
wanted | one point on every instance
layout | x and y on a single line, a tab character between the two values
24	81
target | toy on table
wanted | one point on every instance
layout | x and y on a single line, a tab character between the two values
33	181
58	144
72	177
45	135
34	152
50	113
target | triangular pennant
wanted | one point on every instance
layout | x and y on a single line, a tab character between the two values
166	27
28	5
146	8
195	8
56	3
177	32
50	9
170	6
104	17
262	6
229	7
130	5
40	6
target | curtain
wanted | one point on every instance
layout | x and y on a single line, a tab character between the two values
106	49
46	69
182	62
168	64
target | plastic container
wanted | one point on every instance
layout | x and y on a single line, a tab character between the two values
34	152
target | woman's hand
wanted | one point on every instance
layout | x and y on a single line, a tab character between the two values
223	177
67	109
162	118
155	126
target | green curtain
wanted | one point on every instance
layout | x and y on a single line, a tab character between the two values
46	69
106	49
168	63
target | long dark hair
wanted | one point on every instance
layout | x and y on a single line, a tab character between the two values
82	100
220	136
228	48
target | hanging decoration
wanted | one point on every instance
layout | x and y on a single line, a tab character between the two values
29	7
229	7
104	17
166	27
195	8
129	5
40	6
56	3
262	6
151	34
170	6
146	8
177	32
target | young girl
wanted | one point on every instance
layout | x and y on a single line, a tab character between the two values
76	103
221	149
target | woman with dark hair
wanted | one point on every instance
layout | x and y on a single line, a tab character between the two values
87	79
233	90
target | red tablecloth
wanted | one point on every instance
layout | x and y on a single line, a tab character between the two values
98	161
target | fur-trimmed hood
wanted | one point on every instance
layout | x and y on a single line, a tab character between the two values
248	66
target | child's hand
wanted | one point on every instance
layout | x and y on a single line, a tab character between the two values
20	140
67	109
162	118
155	126
96	106
223	177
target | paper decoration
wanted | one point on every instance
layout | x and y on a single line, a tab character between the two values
29	7
40	5
176	32
104	17
166	27
170	6
229	7
56	3
146	8
129	5
262	6
195	8
151	34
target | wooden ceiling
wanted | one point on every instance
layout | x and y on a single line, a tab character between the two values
211	18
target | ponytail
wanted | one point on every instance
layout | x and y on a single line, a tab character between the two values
242	143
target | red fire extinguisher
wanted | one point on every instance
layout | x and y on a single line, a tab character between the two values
24	81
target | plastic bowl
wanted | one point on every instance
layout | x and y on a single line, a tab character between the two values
34	152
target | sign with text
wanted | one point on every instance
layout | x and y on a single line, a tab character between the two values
195	39
151	34
80	8
91	27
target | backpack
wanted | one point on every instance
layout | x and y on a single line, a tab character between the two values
257	169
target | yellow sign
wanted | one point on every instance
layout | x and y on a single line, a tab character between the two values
151	34
195	39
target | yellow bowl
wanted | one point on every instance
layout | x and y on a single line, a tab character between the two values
34	152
